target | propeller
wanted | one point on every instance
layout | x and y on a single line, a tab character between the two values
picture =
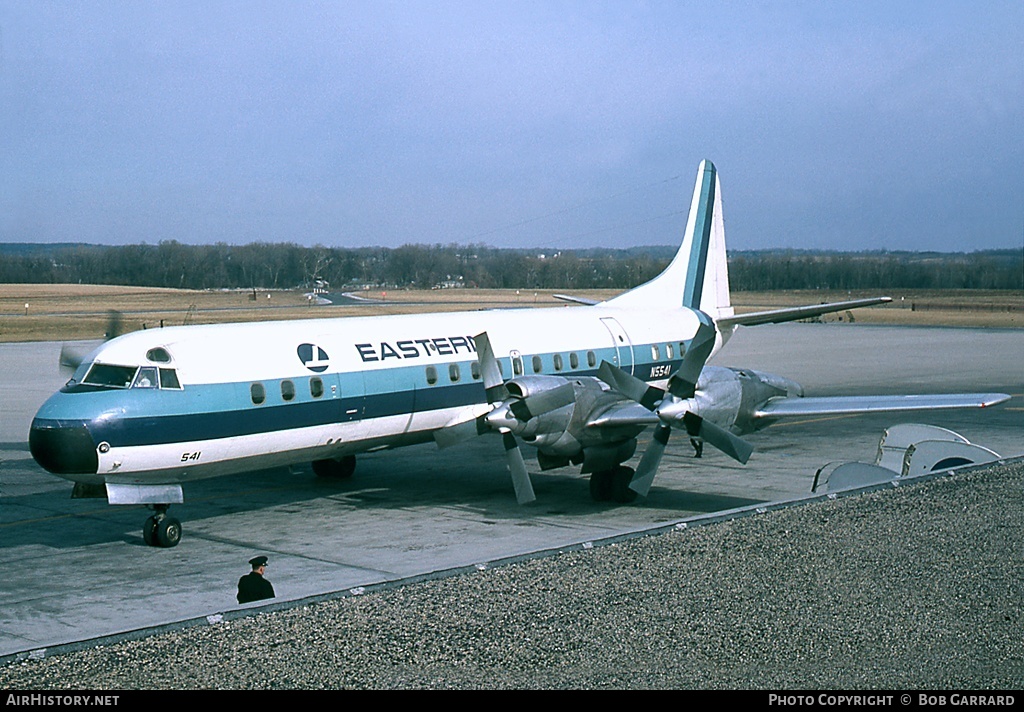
675	408
503	413
72	355
494	387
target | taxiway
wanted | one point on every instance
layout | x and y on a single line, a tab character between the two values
77	570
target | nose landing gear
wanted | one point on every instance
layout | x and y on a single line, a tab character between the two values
160	529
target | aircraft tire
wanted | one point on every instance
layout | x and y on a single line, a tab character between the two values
149	531
601	485
168	532
341	468
620	478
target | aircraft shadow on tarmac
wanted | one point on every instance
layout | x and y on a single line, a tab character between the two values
19	446
292	500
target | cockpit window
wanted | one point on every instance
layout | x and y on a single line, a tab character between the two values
169	378
158	355
146	378
104	374
110	376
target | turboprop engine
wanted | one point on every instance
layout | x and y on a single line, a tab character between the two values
564	435
594	421
730	398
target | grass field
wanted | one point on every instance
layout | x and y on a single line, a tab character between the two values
49	312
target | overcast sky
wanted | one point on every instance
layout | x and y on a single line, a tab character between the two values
837	125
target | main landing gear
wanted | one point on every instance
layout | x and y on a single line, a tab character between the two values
160	529
339	469
612	485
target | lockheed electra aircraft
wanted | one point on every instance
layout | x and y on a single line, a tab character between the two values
149	410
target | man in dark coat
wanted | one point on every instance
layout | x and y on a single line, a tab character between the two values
252	586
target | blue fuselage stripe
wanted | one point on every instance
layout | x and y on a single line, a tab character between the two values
701	241
163	417
251	420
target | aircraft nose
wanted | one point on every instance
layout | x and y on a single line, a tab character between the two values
63	449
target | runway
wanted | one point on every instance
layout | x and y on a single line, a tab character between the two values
77	569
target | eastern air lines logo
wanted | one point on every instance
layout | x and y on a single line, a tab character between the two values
313	357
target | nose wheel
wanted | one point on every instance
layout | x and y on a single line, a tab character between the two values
160	529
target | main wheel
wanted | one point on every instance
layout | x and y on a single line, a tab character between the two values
620	478
341	468
601	485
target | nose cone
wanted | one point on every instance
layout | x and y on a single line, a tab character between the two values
63	448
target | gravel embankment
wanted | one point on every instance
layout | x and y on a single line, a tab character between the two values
917	587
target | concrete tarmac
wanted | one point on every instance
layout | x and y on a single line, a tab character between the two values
78	570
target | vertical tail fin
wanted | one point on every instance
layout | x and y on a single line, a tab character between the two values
698	276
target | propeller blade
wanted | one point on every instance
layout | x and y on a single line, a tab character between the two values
683	382
490	372
630	386
114	325
735	447
72	355
648	467
517	466
543	402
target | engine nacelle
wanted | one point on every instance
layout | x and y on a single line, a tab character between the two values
729	397
525	386
561	436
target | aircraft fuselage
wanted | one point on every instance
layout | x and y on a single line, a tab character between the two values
181	403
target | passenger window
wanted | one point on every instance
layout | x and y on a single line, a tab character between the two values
538	365
169	378
453	372
287	390
316	387
655	352
431	375
474	370
668	351
591	359
257	393
558	362
574	361
146	378
517	365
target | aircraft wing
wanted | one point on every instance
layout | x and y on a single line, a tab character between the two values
834	405
623	414
777	316
629	413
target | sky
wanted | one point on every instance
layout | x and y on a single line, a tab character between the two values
560	124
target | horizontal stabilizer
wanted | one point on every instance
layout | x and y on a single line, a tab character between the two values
835	405
777	316
575	300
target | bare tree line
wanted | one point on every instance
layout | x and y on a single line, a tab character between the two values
287	265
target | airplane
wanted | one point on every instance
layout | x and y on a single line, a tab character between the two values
149	410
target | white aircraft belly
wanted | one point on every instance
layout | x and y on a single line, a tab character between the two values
183	461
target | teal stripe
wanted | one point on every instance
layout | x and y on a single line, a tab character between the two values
702	239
